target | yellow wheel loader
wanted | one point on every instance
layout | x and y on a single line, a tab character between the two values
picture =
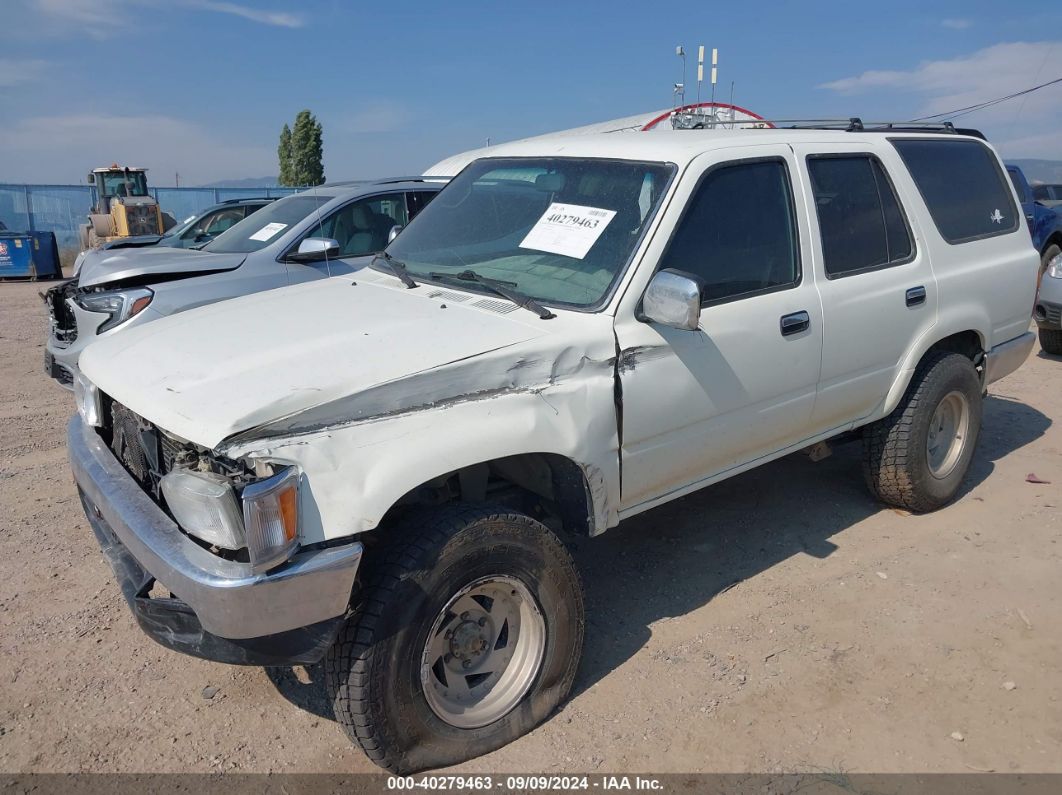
124	207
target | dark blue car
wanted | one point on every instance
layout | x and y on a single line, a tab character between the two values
1045	223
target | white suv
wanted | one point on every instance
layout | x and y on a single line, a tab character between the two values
373	469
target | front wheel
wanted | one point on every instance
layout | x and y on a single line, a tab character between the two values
1051	341
917	457
468	635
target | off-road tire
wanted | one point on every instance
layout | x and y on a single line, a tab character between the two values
1049	254
1051	341
895	457
372	672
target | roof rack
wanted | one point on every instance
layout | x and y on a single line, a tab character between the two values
247	199
856	124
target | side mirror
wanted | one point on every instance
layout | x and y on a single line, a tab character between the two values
394	232
673	299
91	179
314	249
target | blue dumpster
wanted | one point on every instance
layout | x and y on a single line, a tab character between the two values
29	255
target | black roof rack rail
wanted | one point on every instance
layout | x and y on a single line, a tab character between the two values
856	124
383	181
248	199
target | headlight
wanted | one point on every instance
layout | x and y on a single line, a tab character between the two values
120	305
87	397
1054	268
205	506
271	518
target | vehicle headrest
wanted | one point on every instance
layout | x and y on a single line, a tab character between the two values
549	183
361	216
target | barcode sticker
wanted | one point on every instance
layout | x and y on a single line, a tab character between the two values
568	229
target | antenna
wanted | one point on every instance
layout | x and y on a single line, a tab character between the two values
680	88
715	62
733	113
700	71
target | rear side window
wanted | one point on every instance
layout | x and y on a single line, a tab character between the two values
962	185
860	220
738	232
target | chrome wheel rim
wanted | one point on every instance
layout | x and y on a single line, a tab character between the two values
483	652
947	434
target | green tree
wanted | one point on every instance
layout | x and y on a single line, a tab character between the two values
284	154
307	151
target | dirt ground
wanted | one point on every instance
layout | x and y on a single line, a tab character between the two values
779	621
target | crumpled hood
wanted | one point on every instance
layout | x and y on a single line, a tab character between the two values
234	366
105	266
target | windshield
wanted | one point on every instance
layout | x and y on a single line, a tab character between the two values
557	229
118	183
182	227
267	225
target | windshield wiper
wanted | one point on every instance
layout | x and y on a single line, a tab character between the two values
396	267
499	288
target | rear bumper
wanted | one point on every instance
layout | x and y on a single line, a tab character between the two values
1007	357
221	609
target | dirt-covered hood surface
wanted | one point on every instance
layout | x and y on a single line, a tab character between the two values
304	357
101	267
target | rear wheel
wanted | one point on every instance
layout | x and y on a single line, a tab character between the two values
917	457
1051	341
468	636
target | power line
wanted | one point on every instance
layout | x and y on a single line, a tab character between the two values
954	114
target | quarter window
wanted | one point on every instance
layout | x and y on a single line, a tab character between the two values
738	232
963	187
860	222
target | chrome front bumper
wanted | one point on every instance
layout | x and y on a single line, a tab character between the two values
1007	357
227	598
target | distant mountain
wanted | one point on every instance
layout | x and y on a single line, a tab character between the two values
1040	170
250	182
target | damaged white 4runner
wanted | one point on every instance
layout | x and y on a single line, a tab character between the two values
376	469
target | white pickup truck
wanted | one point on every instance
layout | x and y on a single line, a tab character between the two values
377	469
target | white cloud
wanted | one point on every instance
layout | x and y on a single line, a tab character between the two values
97	18
283	19
956	24
1023	127
1046	144
14	72
105	18
61	148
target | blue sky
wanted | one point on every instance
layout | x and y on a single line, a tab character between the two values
202	87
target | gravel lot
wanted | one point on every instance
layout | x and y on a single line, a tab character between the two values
780	621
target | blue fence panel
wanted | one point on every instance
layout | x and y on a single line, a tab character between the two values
64	208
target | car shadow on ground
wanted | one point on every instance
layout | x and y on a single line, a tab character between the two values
676	558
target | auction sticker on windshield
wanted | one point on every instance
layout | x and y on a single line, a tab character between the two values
268	231
568	229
